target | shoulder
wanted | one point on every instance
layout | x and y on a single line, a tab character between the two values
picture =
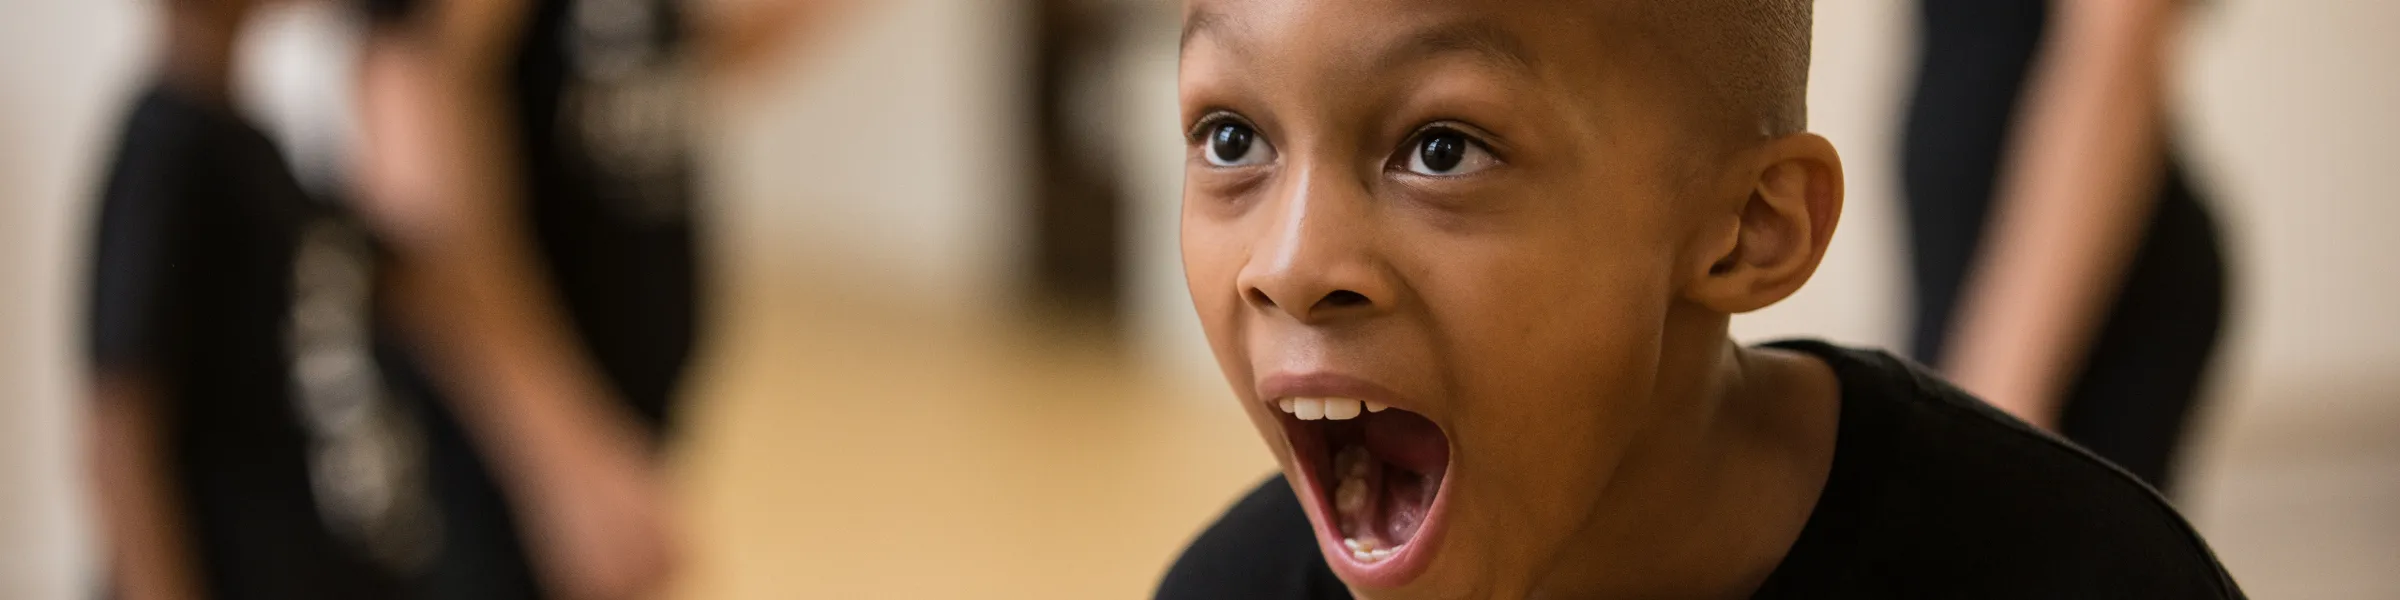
1953	490
161	146
1261	548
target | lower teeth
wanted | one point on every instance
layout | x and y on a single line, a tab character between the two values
1368	551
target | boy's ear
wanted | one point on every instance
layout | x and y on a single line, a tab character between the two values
1773	241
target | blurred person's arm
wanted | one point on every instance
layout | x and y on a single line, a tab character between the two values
440	179
141	518
2078	187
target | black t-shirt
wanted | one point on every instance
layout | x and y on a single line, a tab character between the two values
1933	494
602	95
247	307
604	113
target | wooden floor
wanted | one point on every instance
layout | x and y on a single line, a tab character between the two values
852	450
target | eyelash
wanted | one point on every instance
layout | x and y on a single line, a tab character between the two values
1473	136
1209	122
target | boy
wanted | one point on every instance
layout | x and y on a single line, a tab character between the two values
1468	266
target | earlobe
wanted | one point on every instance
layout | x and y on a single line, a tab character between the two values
1782	228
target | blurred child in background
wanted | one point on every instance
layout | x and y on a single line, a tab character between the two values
244	442
256	436
531	161
2066	269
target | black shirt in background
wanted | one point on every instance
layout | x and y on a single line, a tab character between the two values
193	289
602	99
600	95
604	125
1932	494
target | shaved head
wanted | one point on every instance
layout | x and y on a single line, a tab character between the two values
1748	58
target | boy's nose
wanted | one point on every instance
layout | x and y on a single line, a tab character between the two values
1315	259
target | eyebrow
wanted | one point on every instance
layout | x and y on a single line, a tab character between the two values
1482	39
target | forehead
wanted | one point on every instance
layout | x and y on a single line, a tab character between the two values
1517	34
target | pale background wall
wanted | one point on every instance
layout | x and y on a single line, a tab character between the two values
892	164
61	69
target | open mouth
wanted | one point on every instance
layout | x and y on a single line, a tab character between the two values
1374	472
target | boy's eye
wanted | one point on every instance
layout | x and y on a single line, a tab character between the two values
1447	154
1236	145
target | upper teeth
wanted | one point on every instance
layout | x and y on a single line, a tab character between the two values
1338	409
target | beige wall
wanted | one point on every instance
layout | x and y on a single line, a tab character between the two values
2292	105
890	153
62	65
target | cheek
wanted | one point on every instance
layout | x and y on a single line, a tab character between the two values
1554	349
1566	367
1551	328
1212	261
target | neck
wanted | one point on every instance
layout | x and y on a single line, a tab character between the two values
1707	503
198	51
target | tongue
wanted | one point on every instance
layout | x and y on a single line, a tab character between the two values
1408	441
1406	499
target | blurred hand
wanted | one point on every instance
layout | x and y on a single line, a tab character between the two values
598	522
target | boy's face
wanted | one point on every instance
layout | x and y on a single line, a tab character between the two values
1459	210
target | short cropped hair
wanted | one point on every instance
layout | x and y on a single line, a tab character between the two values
1751	56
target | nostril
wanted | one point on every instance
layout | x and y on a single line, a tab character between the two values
1343	298
1260	297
